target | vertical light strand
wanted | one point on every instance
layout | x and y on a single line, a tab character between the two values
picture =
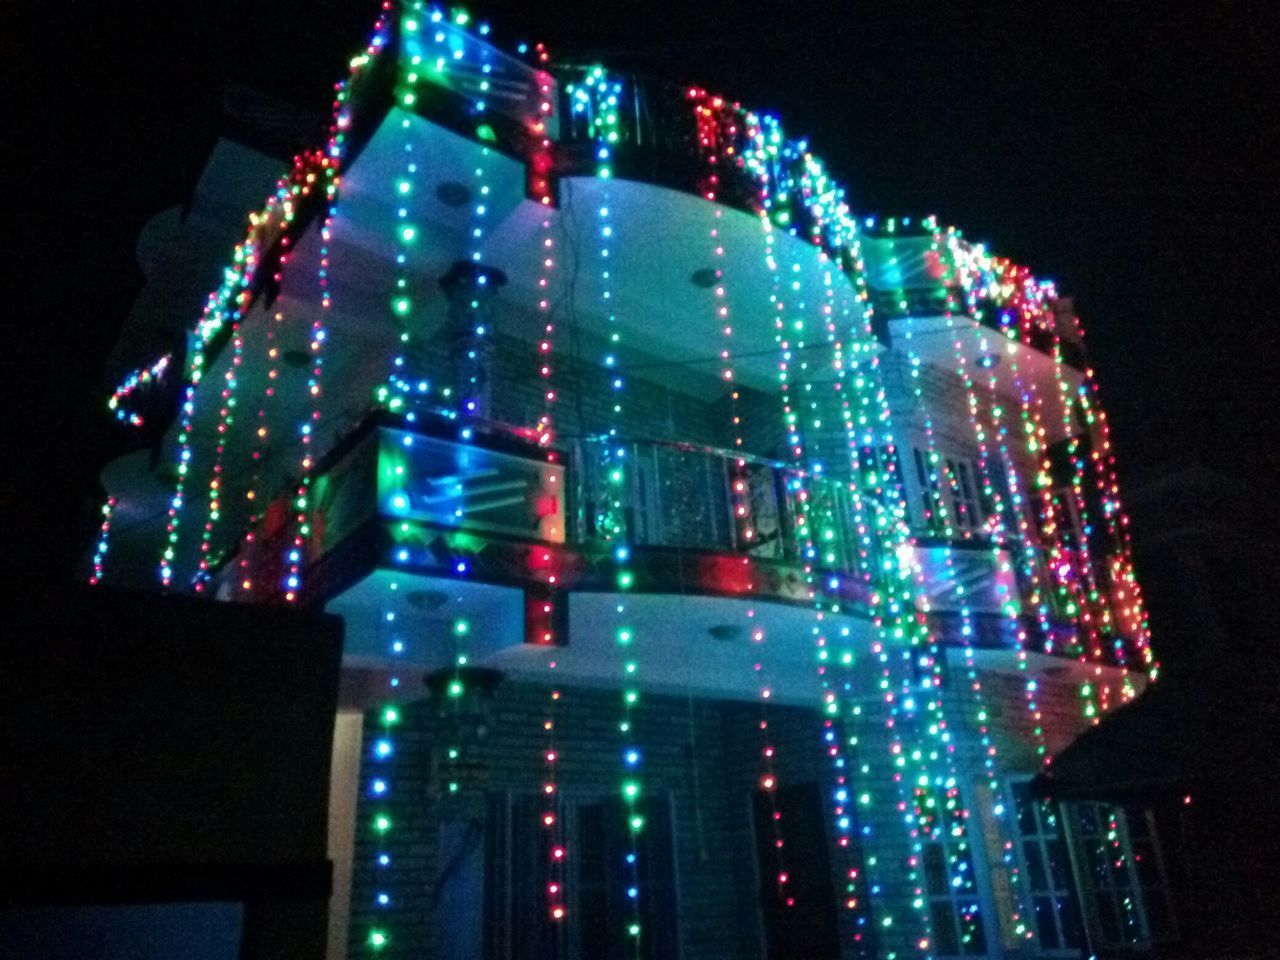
542	189
873	448
226	419
296	549
237	280
726	136
993	526
890	601
939	471
103	545
999	288
1019	534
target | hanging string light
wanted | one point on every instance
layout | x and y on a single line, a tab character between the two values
107	511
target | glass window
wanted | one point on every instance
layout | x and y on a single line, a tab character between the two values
955	903
597	881
950	495
929	495
1121	875
1047	874
964	494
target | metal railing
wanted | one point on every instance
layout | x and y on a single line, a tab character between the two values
683	496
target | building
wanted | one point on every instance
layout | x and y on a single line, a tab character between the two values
718	567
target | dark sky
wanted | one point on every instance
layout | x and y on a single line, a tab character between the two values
1127	150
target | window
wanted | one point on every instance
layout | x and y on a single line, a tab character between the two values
1149	865
596	880
929	497
964	495
955	902
1046	871
807	927
950	495
1110	884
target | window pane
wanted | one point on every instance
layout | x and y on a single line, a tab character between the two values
974	939
1046	925
1035	865
1107	918
944	928
963	878
1072	929
1088	819
1026	809
935	869
1059	864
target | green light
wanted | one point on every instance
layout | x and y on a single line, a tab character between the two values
461	627
631	789
382	823
377	939
390	715
455	688
485	132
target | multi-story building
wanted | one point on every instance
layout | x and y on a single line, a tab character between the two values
719	568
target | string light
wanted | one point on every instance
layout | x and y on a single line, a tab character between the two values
107	511
1085	603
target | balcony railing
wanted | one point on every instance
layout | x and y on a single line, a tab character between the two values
681	496
649	495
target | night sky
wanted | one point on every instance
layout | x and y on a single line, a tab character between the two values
1126	150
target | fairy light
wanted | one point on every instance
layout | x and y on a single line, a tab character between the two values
1019	538
107	511
894	616
229	298
543	192
404	382
226	420
795	438
599	97
722	127
1096	592
262	437
944	524
137	381
993	522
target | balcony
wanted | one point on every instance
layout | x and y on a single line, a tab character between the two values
498	514
501	510
668	496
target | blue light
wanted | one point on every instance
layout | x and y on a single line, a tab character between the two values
383	748
379	786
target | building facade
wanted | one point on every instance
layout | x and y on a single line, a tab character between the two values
719	568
